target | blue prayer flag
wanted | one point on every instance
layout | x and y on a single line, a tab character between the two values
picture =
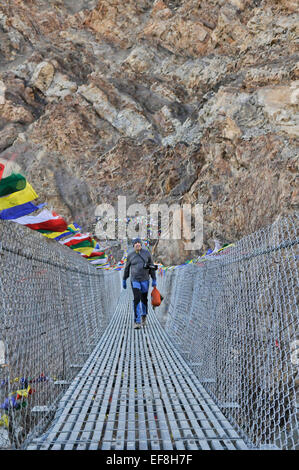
19	211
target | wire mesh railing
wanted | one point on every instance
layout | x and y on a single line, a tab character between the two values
234	318
54	307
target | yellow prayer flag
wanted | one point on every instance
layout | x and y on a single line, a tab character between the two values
24	392
4	420
20	197
85	250
55	234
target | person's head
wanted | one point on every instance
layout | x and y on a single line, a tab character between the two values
137	244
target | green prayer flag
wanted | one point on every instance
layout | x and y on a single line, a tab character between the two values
11	184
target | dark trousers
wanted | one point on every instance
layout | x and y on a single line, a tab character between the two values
139	296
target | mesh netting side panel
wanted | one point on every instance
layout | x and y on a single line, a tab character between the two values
235	320
54	307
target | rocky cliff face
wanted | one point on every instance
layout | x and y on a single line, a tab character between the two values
160	101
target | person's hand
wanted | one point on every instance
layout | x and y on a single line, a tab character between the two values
154	282
124	284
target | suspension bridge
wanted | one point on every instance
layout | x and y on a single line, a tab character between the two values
214	368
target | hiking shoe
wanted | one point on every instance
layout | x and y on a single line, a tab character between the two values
143	320
137	326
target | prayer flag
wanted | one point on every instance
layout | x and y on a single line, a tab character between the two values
20	197
77	239
99	261
94	253
19	211
1	170
46	220
85	251
10	166
12	183
75	228
82	244
57	235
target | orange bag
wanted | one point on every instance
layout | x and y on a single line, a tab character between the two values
156	297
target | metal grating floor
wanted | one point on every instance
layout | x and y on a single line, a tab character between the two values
135	391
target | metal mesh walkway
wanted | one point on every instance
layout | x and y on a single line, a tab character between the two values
135	391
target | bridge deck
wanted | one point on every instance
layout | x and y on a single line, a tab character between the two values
135	391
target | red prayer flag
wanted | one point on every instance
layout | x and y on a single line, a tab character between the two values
94	253
1	170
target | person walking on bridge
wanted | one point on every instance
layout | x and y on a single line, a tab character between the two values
139	262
